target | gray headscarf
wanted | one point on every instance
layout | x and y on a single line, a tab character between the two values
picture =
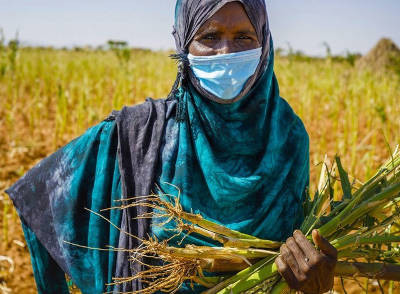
190	15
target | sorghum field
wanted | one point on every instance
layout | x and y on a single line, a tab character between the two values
48	97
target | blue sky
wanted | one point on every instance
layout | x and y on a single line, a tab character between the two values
354	25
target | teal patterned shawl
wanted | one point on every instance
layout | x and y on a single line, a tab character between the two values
244	165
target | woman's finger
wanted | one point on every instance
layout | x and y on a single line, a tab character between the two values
286	273
309	250
324	245
301	258
291	261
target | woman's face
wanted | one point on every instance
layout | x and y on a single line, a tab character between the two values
229	30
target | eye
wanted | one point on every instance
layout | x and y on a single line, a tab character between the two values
209	37
244	37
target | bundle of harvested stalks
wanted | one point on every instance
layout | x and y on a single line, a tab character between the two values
362	225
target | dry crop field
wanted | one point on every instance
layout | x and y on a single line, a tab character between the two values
48	97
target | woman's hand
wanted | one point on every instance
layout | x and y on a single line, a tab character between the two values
304	267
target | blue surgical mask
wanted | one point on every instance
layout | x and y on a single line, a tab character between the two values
225	75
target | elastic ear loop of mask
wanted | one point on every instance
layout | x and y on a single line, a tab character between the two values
179	88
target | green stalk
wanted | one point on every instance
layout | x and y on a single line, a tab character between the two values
233	242
380	271
266	272
391	286
347	216
329	228
215	252
255	243
216	228
356	240
351	253
239	276
375	202
281	288
208	282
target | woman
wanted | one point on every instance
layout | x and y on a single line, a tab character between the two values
236	150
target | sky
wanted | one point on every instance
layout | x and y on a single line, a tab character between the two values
346	25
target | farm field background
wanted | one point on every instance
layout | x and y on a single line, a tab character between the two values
48	97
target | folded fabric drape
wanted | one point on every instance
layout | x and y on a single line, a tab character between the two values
243	164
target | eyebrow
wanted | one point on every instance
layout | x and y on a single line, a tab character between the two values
246	32
211	30
208	30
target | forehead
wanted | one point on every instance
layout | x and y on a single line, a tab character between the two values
231	16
